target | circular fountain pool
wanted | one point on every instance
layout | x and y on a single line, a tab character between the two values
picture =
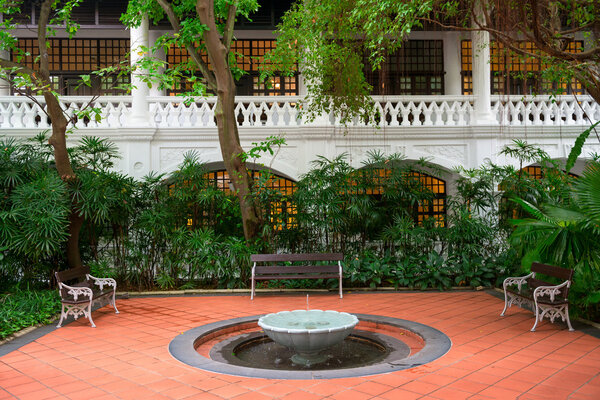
359	349
231	347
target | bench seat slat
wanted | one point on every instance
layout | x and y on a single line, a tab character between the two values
297	257
296	269
297	276
528	294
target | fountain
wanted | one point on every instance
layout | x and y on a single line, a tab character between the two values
308	332
309	344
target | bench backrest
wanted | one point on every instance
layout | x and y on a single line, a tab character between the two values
73	274
297	257
564	274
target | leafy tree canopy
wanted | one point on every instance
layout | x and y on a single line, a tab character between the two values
330	42
188	33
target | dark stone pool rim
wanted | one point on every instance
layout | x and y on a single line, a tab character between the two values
183	348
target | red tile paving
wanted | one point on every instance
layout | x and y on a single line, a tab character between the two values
126	356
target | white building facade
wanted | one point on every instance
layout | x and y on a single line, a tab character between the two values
456	119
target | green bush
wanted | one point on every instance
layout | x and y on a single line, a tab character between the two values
181	231
24	307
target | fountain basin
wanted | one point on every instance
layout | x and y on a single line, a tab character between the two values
203	347
308	332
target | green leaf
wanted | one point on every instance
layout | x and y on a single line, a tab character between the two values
577	148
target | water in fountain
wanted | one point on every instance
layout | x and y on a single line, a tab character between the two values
355	350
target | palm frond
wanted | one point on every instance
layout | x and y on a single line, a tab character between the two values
587	191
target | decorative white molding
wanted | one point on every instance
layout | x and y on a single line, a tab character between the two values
450	152
174	155
359	152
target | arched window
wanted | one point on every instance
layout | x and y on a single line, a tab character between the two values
274	189
375	181
527	177
436	208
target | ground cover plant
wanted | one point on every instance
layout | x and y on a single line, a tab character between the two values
24	307
181	231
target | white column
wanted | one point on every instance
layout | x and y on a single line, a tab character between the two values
481	78
160	54
301	85
452	64
4	86
139	94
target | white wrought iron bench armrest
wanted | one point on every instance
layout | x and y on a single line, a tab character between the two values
76	291
102	281
518	280
552	291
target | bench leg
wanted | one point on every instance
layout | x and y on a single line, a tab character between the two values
62	316
89	314
538	317
253	284
114	303
568	320
341	296
76	310
505	300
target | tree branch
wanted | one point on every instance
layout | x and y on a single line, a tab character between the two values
228	34
192	50
42	45
7	64
217	52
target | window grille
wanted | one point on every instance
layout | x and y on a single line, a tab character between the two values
70	58
509	208
249	54
417	68
375	181
435	208
513	74
281	212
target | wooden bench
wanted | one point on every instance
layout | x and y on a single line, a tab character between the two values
266	267
546	299
82	290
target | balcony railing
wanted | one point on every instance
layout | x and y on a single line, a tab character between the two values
283	111
545	110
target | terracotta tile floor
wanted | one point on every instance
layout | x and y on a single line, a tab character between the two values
126	356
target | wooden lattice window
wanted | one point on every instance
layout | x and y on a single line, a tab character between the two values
249	54
70	58
435	208
513	74
417	68
281	213
376	181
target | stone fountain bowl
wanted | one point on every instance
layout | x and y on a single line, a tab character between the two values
308	331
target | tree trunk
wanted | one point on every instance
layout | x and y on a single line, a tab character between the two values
236	168
58	140
229	139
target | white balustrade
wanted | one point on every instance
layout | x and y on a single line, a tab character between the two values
19	112
282	111
545	110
